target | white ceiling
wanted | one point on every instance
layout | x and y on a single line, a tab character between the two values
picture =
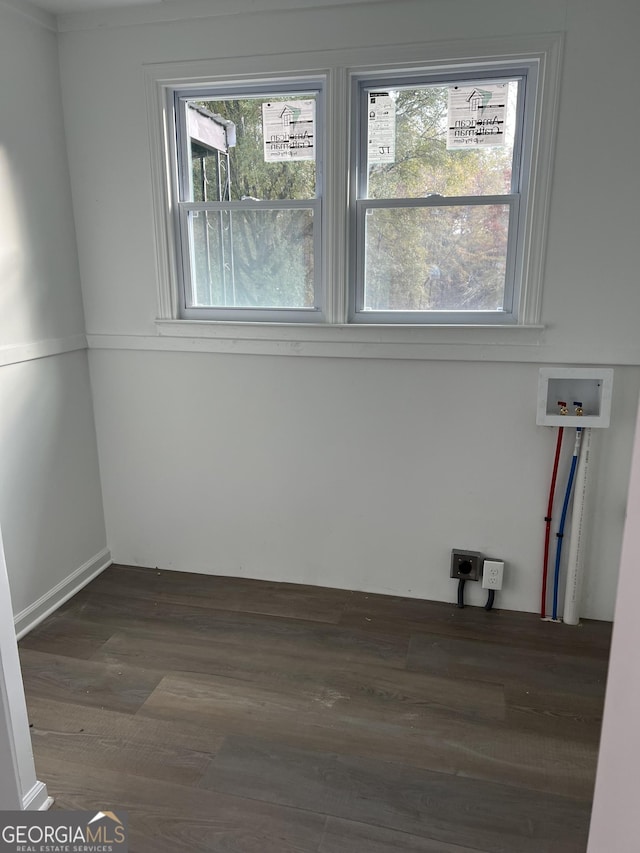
60	7
172	9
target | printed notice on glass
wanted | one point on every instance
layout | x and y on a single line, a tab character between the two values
289	130
476	116
381	128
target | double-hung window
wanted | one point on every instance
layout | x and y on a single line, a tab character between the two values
438	185
249	216
374	191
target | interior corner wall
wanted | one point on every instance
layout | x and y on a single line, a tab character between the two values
354	472
50	495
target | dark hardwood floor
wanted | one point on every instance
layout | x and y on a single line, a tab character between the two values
242	716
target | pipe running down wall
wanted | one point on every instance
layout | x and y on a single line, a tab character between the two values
573	586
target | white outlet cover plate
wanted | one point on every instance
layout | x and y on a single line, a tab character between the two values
492	574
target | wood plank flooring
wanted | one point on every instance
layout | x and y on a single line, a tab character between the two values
236	716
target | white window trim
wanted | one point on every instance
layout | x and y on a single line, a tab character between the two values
339	66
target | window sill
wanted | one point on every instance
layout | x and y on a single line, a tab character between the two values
447	342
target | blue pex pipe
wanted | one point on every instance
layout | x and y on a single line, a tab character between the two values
563	518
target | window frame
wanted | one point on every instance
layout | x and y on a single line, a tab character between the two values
335	335
289	85
466	71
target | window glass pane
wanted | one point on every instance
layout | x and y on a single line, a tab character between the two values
231	158
413	161
252	258
436	258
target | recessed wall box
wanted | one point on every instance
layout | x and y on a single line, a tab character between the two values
590	386
465	565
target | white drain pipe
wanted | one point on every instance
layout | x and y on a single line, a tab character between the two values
578	534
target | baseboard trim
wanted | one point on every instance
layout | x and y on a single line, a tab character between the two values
31	616
37	799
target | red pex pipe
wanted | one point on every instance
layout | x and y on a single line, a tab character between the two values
547	535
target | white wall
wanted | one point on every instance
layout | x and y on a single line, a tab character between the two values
614	818
355	472
50	495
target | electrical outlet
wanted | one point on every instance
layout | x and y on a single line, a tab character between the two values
465	564
492	574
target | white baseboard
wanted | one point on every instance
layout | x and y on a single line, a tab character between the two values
37	799
32	615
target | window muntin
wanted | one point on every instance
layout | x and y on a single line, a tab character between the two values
249	205
437	232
